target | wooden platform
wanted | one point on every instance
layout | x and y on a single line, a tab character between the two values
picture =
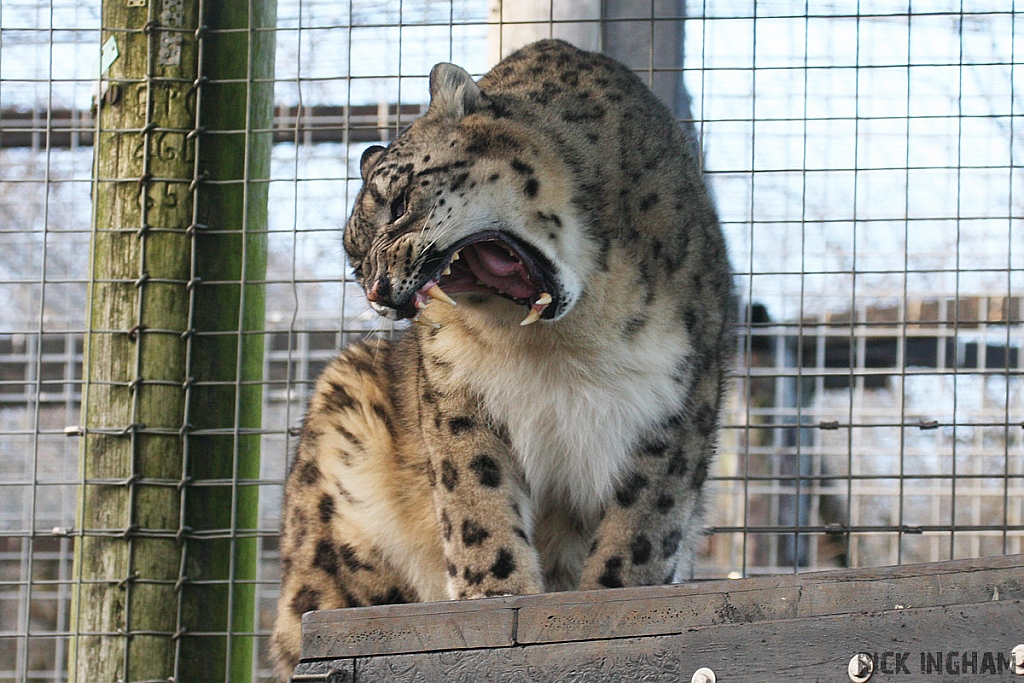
956	621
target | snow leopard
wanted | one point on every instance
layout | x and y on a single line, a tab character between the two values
547	421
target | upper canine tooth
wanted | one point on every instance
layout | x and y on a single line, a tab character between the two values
438	293
447	271
543	300
455	257
531	317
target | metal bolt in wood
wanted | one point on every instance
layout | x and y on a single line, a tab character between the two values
703	675
1017	657
861	667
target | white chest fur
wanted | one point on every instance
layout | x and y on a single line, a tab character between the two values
574	417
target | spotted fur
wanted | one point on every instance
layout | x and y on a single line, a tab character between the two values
483	458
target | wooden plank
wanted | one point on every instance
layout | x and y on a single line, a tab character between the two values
644	616
408	628
926	590
806	649
654	610
671	609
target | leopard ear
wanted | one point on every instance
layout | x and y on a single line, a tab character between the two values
453	92
369	159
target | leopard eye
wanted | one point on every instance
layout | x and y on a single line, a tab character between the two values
398	208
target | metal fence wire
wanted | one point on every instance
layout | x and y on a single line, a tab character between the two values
864	159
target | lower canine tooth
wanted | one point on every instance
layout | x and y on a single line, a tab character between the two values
426	322
531	317
438	293
537	309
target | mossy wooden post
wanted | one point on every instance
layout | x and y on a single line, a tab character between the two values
169	308
227	352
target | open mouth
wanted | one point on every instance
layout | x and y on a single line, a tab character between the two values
493	263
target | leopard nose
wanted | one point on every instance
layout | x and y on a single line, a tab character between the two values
380	289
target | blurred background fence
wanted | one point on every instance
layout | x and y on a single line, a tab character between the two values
864	159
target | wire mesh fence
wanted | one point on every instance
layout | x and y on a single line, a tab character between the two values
863	157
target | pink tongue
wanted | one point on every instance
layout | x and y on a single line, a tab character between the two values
495	258
492	265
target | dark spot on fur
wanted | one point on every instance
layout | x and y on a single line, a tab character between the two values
584	111
612	576
382	415
339	397
392	597
351	600
325	558
349	558
633	326
520	166
473	578
648	202
487	470
641	549
473	534
532	187
570	78
326	507
493	177
504	564
665	503
351	438
306	600
459	180
700	473
690	320
521	533
675	421
449	474
458	425
307	472
446	525
630	489
452	570
670	543
705	420
653	449
678	464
